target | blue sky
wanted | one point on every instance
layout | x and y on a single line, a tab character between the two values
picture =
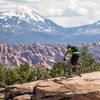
67	13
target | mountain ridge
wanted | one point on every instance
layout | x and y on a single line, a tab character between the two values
30	27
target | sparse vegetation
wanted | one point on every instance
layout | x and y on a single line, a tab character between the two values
25	73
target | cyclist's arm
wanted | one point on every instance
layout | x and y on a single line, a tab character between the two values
65	55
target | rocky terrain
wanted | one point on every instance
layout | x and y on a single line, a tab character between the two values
86	87
34	54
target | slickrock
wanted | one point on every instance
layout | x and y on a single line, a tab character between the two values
2	92
86	87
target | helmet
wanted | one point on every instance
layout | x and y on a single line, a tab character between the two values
68	46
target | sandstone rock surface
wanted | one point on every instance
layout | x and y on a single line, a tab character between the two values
86	87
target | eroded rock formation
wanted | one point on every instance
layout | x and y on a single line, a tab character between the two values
38	54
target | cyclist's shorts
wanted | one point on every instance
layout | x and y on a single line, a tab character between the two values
74	59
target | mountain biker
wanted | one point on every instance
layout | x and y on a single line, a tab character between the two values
74	52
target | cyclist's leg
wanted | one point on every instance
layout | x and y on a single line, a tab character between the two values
74	60
73	63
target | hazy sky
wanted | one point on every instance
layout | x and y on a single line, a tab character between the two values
67	13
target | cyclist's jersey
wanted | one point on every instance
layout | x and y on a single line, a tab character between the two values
71	51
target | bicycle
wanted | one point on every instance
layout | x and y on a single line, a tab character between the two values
69	70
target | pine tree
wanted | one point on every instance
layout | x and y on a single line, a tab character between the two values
86	59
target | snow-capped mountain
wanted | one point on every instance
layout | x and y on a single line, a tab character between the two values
25	27
33	20
29	26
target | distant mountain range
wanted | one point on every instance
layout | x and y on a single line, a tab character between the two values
29	27
33	54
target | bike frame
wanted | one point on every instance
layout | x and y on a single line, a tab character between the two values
69	69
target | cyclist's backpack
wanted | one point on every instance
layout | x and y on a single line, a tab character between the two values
74	48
